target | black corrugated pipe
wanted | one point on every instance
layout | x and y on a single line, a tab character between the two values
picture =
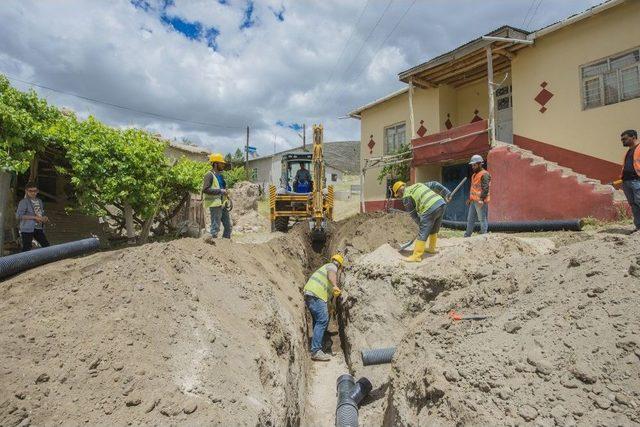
350	394
16	263
377	356
522	226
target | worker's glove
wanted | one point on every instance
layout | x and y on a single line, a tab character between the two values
336	292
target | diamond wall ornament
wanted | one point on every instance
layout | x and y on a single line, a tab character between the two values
543	97
448	123
476	117
371	144
421	130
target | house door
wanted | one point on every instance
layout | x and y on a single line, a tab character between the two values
504	114
451	177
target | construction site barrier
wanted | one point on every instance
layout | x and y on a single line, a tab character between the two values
377	356
522	226
350	394
16	263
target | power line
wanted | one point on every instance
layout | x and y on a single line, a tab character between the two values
535	11
122	107
387	37
344	48
384	12
524	20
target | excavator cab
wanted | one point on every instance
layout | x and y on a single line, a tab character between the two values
291	180
303	196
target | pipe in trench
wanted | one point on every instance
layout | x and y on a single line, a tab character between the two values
377	356
350	394
17	263
522	226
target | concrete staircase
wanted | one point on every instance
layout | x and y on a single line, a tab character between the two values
597	186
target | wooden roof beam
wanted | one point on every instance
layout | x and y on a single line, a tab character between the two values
422	83
479	76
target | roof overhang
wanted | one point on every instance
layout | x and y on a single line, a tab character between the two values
358	111
468	63
575	18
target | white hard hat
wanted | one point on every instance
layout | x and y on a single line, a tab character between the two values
477	158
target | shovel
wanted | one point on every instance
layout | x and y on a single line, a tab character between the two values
405	245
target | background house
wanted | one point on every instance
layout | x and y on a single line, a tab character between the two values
561	97
341	158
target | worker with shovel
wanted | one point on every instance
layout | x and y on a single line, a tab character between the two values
215	197
426	204
320	288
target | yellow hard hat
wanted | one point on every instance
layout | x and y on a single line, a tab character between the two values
397	186
338	258
216	158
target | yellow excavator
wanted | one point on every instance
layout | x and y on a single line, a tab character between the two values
296	198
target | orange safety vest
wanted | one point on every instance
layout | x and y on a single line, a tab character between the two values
476	187
636	161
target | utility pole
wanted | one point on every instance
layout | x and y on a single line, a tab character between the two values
246	153
304	137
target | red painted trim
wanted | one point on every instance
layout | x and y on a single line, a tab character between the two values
590	166
521	191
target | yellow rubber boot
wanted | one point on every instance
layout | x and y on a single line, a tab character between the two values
433	239
418	251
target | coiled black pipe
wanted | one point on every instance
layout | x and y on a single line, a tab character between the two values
350	394
522	226
16	263
377	356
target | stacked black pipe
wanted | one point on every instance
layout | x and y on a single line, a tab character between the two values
522	226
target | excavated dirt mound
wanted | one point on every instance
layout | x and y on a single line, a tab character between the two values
245	214
167	333
561	345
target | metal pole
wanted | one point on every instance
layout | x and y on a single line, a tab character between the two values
246	154
411	118
304	137
5	188
492	112
362	191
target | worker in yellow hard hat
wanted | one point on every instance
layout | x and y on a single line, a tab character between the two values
320	288
426	204
214	191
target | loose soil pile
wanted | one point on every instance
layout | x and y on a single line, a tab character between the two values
193	333
561	345
182	332
245	215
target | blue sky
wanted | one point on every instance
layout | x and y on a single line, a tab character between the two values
222	65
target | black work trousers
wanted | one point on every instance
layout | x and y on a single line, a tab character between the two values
27	239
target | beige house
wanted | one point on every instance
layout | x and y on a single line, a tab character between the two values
546	108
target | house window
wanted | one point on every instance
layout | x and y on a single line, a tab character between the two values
254	174
611	80
394	136
503	98
334	177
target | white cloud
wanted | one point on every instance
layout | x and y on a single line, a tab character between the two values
275	70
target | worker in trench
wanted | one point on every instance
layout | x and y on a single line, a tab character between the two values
215	197
478	201
426	204
319	289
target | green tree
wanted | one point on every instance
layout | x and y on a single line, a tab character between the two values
398	171
25	121
237	174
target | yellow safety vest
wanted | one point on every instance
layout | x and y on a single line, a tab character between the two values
319	284
423	197
210	200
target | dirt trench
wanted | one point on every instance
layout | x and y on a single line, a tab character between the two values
165	333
